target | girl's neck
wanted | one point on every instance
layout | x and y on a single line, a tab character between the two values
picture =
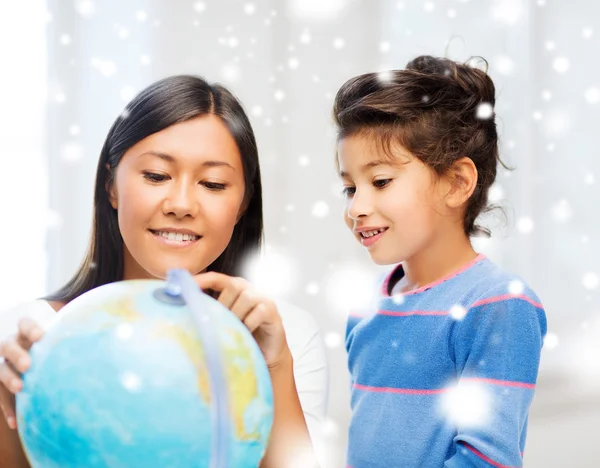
446	255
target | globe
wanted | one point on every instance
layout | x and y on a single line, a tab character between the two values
135	374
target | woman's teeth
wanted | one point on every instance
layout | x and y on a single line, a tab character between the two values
371	233
179	237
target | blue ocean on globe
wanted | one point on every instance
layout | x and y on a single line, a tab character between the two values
121	380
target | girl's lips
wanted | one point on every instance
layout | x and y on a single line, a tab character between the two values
370	241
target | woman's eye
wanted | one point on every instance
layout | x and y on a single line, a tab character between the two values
381	182
153	177
214	186
347	191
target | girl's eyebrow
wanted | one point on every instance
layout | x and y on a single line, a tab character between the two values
369	165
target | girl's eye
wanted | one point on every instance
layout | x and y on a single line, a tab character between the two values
348	191
214	186
381	182
153	177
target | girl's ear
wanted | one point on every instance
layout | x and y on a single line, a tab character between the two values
111	188
462	176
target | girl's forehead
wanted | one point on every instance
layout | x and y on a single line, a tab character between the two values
359	153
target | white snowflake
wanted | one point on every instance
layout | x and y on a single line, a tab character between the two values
458	312
589	178
550	340
516	287
557	123
279	95
141	16
74	130
451	13
124	331
348	288
429	7
85	8
384	46
562	211
320	209
60	97
495	193
546	95
525	225
200	7
384	76
257	111
504	65
293	63
507	11
333	340
105	67
71	152
561	64
304	160
339	43
230	73
305	37
550	45
249	8
468	404
65	39
312	288
289	208
398	298
131	381
537	115
127	93
587	32
590	280
484	111
145	59
592	95
316	10
272	271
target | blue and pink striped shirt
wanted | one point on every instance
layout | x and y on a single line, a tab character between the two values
443	376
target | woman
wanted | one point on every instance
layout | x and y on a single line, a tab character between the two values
178	186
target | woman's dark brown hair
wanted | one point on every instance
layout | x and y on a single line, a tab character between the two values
167	102
438	109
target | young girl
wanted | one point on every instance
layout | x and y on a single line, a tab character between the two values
443	373
178	186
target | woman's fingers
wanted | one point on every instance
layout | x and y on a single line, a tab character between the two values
228	287
29	332
15	355
256	318
9	378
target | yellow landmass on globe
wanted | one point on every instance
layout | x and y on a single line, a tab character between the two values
240	372
123	308
241	378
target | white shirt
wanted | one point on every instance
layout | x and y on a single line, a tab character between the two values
303	337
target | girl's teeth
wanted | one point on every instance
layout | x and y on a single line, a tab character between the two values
371	233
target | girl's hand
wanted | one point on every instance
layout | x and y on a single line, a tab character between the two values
258	313
14	360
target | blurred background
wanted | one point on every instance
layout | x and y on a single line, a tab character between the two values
69	67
